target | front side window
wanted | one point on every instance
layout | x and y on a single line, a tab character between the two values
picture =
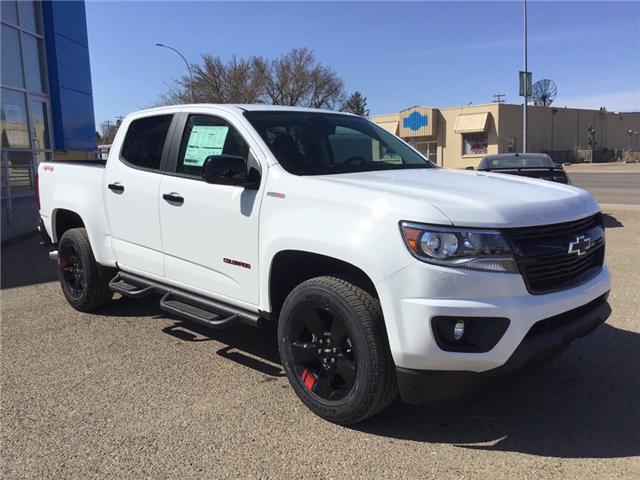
145	140
205	135
475	143
316	143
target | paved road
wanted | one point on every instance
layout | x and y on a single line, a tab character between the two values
619	188
129	392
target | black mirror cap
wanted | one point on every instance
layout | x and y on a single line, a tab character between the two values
469	168
230	170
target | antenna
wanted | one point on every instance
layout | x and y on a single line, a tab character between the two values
544	92
498	98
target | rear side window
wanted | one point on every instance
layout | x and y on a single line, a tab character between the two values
145	140
206	135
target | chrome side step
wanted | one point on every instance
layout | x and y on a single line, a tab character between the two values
203	310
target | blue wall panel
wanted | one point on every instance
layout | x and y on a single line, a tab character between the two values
69	75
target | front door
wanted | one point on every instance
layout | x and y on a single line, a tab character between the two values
132	183
209	232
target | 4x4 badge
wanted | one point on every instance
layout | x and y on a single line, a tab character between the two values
580	245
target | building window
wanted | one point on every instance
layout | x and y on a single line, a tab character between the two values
34	67
428	149
24	115
30	17
13	120
475	143
11	58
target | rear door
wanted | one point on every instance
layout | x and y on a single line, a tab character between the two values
210	232
132	182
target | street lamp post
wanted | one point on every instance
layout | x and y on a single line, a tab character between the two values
526	93
193	95
630	132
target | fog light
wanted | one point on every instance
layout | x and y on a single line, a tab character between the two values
458	330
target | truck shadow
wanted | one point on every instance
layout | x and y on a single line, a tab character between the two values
26	263
584	404
610	221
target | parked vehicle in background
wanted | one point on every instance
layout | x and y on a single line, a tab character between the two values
383	273
533	165
102	152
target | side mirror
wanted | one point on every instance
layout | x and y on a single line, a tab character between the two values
230	170
469	168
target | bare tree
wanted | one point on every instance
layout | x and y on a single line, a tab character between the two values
295	78
109	130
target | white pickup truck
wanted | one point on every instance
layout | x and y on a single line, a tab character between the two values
384	273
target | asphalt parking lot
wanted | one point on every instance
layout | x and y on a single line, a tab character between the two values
130	392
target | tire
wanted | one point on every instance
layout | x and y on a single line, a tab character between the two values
84	282
333	348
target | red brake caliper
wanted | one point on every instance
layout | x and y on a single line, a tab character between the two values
64	262
308	378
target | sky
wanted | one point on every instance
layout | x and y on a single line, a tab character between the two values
398	54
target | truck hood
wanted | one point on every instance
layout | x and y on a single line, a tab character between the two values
480	199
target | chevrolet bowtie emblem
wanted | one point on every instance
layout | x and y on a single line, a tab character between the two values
580	245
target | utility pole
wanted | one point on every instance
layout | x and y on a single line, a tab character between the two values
498	98
526	92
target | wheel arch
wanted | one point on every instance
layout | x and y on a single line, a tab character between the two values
289	268
64	220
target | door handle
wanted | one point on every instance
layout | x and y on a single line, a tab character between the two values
173	197
116	187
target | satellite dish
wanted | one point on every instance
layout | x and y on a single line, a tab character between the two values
543	92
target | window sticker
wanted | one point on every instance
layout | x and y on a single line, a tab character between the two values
205	140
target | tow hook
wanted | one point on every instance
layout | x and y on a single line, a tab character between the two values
53	255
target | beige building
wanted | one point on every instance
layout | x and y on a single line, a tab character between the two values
459	137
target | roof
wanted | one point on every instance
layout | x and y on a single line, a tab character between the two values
509	155
235	107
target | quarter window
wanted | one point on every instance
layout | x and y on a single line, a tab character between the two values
145	140
205	135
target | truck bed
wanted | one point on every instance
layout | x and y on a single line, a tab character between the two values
76	187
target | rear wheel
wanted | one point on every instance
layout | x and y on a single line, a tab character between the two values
333	349
84	282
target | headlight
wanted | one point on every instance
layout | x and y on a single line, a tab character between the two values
459	247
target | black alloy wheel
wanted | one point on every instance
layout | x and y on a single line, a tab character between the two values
84	282
323	354
72	272
333	348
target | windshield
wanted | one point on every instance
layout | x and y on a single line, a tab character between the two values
520	161
315	143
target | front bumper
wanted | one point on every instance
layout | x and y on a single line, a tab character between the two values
412	297
545	338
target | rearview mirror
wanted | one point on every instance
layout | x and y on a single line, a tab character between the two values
229	170
469	168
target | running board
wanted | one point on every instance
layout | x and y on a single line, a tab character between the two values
196	314
203	310
118	285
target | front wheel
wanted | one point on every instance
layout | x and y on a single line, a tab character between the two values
84	282
332	346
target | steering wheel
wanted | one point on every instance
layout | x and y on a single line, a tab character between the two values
355	159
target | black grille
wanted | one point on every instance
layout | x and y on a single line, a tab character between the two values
542	253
